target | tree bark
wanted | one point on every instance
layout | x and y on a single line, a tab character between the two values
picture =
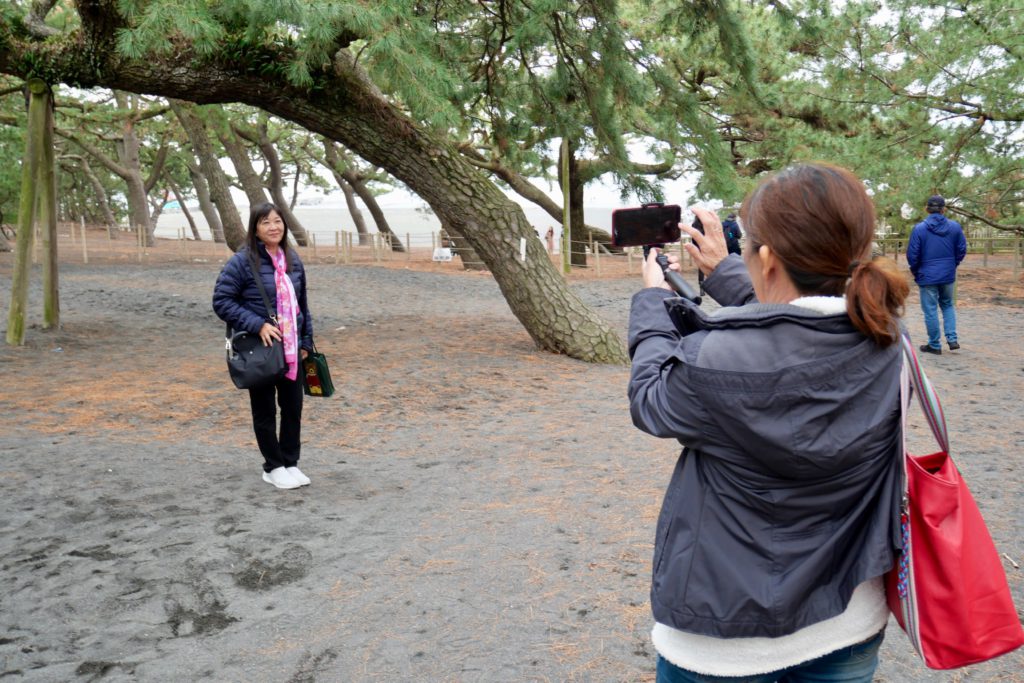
205	203
47	190
338	168
26	215
101	198
128	156
353	206
248	178
345	106
527	190
220	194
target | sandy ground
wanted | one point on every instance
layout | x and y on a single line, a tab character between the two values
480	510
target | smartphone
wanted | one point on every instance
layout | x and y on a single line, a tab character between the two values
647	224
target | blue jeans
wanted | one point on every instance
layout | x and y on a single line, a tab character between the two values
933	299
854	664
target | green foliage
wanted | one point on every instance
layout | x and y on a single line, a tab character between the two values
918	99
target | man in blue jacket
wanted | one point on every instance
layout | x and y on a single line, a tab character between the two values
937	246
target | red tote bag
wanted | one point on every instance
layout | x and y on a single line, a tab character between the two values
948	589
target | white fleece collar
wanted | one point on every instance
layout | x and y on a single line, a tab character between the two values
826	305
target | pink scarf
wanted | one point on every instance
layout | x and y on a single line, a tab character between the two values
287	307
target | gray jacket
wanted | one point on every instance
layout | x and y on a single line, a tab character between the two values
786	495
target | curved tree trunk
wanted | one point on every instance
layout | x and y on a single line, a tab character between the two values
338	169
345	176
206	204
353	206
128	155
101	198
347	107
184	209
234	232
248	178
370	201
527	190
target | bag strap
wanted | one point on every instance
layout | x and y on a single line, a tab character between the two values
254	266
926	395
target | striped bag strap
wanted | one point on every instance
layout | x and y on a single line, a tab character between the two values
926	395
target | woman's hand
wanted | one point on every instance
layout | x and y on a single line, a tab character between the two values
653	275
305	353
269	333
707	250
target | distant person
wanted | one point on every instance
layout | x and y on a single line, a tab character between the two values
779	521
937	246
238	302
733	234
549	236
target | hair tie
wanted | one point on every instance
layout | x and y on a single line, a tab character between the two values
853	266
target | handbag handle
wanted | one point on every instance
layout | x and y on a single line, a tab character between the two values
926	395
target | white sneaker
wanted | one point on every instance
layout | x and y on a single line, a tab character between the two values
298	475
281	478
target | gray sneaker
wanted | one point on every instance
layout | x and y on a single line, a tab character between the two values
953	346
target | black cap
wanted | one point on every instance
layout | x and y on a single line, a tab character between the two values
935	203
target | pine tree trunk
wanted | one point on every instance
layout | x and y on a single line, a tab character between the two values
26	214
353	206
184	210
47	189
138	201
220	194
101	199
209	211
363	192
346	107
239	155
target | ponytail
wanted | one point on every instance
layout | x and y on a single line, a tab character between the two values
874	299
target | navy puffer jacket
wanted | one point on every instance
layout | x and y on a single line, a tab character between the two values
237	300
937	246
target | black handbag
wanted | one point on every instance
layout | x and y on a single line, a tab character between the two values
316	376
250	362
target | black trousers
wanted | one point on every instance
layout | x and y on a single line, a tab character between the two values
277	451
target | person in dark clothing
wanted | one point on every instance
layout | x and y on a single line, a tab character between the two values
237	301
937	246
733	234
781	516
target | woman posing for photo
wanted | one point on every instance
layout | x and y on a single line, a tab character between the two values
237	301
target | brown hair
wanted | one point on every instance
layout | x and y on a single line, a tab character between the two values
819	221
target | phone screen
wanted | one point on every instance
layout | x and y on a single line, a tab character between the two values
654	224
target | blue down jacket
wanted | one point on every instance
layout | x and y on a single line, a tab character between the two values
237	300
786	495
937	246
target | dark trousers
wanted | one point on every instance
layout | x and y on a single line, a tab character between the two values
283	451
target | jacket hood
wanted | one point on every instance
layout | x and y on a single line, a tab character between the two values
938	224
